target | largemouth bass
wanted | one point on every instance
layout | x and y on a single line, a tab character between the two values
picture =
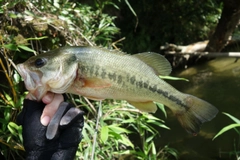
98	74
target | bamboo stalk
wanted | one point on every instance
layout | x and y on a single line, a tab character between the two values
9	81
99	116
208	54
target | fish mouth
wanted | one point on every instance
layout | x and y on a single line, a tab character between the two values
32	81
21	70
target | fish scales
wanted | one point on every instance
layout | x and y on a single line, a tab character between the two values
98	74
138	69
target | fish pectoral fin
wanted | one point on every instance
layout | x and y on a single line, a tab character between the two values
148	106
157	62
95	83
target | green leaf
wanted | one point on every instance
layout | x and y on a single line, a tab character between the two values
104	133
162	108
171	151
12	15
11	46
117	129
9	98
154	152
56	3
173	78
16	77
130	7
225	129
37	38
26	48
150	138
232	117
13	128
126	141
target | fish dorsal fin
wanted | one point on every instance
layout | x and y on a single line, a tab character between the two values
157	62
113	51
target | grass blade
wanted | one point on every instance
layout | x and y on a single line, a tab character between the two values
225	129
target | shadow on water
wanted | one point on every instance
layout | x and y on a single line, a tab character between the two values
217	82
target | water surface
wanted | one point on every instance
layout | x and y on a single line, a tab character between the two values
218	82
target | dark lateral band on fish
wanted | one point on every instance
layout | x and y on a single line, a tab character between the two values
103	74
119	79
99	73
166	95
112	76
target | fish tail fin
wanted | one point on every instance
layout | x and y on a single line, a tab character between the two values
197	112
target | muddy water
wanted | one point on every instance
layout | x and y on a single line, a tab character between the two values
217	82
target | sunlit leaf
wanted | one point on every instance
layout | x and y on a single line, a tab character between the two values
154	152
16	77
26	48
56	3
37	38
150	138
104	133
9	99
117	129
13	128
173	78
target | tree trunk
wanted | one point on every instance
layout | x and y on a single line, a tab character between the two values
228	22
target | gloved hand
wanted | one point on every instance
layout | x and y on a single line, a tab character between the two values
59	140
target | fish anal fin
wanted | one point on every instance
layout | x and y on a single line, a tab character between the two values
95	83
157	62
94	98
148	106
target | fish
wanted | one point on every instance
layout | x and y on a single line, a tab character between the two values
98	73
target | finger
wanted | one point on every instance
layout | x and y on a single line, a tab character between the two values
48	98
52	128
71	114
50	109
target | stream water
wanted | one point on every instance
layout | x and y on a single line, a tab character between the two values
217	82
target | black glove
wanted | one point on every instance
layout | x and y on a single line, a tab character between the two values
59	140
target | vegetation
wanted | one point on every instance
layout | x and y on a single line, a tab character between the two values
30	28
235	153
177	22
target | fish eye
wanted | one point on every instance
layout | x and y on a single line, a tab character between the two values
40	62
